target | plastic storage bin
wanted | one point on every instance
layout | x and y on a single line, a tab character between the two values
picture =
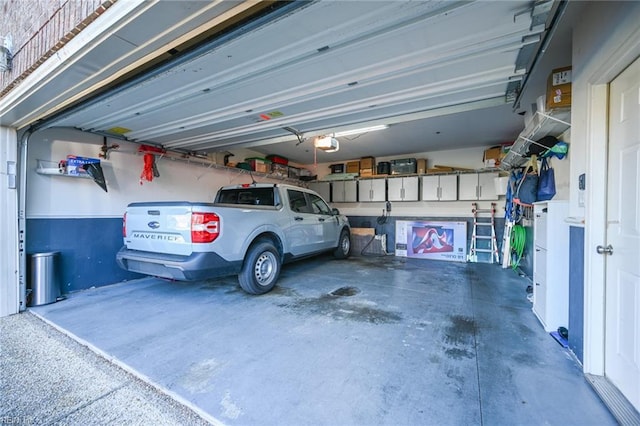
337	168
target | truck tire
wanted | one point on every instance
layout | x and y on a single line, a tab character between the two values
344	246
261	268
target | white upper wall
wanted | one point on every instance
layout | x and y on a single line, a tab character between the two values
599	32
68	197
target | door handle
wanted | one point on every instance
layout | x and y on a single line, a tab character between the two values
298	218
604	250
321	219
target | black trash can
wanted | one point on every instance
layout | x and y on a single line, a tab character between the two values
44	278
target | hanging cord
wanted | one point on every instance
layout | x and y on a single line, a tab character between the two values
381	220
518	241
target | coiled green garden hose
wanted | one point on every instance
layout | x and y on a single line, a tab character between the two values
518	241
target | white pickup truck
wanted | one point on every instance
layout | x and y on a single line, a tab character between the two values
249	230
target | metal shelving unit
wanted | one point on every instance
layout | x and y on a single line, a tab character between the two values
553	123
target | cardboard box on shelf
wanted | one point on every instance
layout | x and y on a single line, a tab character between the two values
366	172
368	163
421	166
353	167
492	153
258	164
492	162
559	88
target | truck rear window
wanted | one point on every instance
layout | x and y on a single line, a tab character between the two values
250	196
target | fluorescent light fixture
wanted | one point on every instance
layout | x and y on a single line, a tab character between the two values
326	143
362	130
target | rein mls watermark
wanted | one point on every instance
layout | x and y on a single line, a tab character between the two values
16	420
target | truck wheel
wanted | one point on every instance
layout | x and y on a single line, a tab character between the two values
344	246
260	269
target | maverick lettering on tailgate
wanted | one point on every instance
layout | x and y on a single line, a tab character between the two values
161	237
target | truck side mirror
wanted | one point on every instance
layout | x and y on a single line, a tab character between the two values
335	212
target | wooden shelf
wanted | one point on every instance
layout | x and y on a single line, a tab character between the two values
553	123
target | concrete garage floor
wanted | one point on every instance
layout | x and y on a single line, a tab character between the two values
363	341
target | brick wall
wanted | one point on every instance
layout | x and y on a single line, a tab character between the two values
39	28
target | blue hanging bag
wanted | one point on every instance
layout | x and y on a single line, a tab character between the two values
546	182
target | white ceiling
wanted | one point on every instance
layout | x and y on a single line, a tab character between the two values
437	72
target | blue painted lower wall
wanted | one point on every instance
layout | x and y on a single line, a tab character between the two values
576	290
87	249
88	246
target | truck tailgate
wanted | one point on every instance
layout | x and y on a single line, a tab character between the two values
159	227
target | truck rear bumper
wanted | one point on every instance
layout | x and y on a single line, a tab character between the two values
197	266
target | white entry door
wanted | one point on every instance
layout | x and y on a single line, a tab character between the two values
622	345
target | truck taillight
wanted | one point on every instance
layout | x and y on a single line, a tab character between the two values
205	227
124	225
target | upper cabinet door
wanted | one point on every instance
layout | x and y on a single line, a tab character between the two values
410	185
448	188
322	188
378	190
403	188
487	186
372	190
477	186
337	192
440	188
396	192
344	191
430	188
350	191
468	186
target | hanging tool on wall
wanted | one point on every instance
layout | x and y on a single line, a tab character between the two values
147	170
150	169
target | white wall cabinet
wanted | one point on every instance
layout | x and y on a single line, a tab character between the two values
403	188
439	188
344	191
370	190
477	186
551	264
322	188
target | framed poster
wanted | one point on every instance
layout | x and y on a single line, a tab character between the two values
432	240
